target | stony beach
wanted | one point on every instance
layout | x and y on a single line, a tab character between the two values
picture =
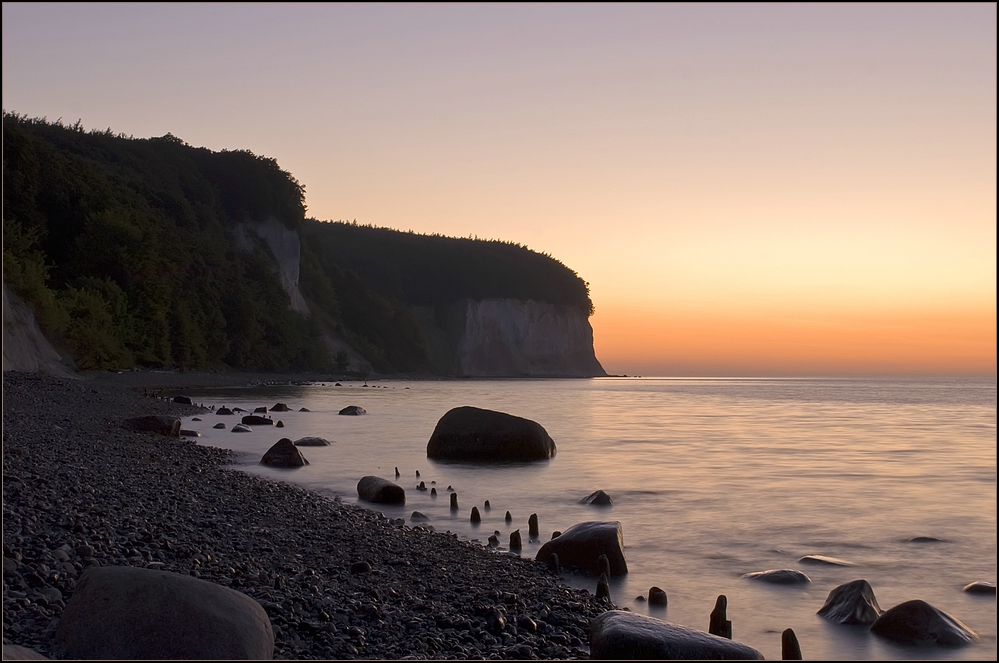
81	491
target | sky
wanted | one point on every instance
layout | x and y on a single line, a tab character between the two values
767	189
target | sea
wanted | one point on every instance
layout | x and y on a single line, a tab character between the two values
710	479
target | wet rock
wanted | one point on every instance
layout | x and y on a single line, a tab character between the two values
925	539
779	577
185	400
312	442
219	425
397	475
822	559
485	505
162	424
515	542
477	435
376	489
130	613
475	518
454	501
980	587
422	486
419	517
433	492
719	623
260	410
304	409
599	498
280	407
256	420
190	433
852	603
353	410
508	518
284	453
657	597
619	634
223	411
279	424
581	545
919	623
241	428
790	650
532	526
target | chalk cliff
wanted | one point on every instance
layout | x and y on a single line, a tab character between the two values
286	246
509	338
25	348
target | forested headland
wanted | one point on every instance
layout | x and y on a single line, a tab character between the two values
125	249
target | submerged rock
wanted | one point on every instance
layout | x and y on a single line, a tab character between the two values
284	453
581	546
223	410
599	498
280	407
312	442
980	587
919	623
623	635
241	428
779	576
852	603
353	410
219	425
822	559
376	489
474	434
256	420
128	613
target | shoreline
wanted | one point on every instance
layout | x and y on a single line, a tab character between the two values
75	480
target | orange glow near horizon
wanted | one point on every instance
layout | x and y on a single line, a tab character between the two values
961	342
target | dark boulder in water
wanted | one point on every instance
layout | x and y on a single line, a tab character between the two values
474	434
623	635
919	623
980	587
353	410
852	603
581	546
280	407
155	423
284	453
256	420
779	577
189	433
223	410
241	428
822	559
312	442
260	410
219	425
599	498
376	489
185	400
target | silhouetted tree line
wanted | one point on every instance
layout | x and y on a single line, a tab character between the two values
124	248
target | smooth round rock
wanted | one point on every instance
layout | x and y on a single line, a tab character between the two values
353	410
241	428
581	546
312	442
284	453
919	623
624	635
980	587
256	420
779	577
475	435
130	613
376	489
823	559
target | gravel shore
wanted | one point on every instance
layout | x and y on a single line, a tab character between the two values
79	491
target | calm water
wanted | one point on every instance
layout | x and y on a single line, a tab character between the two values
711	479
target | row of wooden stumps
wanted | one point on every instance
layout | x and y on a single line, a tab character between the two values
719	624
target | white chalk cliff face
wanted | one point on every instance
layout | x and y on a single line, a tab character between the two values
287	249
25	348
511	337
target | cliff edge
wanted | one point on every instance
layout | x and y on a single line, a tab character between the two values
25	348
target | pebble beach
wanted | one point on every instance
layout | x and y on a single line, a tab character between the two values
82	491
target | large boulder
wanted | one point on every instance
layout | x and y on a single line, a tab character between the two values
581	546
256	420
128	613
163	424
280	407
919	623
185	400
284	453
474	434
376	489
619	634
852	603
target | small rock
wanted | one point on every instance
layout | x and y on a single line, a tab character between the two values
454	501
312	442
980	587
219	425
508	517
852	603
475	518
789	648
515	542
532	526
822	559
779	576
360	567
240	428
657	597
352	410
284	453
719	624
279	424
599	498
